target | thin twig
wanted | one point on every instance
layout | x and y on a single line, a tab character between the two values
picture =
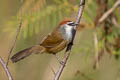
105	15
16	36
6	69
98	54
52	69
17	33
68	50
96	50
114	21
98	58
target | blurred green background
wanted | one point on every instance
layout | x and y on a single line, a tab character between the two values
39	18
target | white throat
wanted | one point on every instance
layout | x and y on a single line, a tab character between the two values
66	31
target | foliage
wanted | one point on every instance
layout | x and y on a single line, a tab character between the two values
36	18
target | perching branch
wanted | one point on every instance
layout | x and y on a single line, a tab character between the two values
105	15
68	50
6	69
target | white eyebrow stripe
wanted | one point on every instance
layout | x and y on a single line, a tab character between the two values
70	22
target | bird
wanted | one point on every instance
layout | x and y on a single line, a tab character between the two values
53	43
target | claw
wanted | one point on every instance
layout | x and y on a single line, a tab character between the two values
61	62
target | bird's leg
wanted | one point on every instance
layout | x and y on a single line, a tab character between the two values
61	62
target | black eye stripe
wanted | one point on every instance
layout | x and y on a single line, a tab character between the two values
71	24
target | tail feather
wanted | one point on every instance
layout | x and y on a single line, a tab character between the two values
26	52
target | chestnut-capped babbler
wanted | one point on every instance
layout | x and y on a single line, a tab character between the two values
53	43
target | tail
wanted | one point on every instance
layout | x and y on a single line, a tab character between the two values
26	52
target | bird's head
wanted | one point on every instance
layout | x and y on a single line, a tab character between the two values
66	28
67	23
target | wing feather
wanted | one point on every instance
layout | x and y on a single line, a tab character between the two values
52	40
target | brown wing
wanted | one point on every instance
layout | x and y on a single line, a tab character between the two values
58	48
53	39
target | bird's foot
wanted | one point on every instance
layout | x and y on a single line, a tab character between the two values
61	62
